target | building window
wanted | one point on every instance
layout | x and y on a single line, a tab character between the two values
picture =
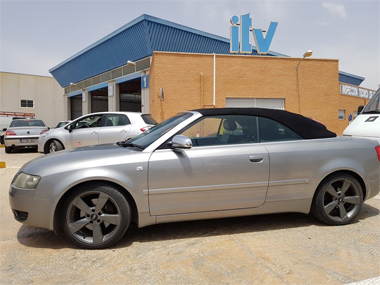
27	103
342	114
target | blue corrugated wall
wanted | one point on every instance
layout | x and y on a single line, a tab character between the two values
138	39
135	42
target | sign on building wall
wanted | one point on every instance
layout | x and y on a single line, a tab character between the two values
239	35
111	89
356	91
144	82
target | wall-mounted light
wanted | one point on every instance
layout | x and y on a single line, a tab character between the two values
308	53
131	63
84	99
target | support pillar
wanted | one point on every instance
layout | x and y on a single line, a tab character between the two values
145	106
66	108
113	96
86	102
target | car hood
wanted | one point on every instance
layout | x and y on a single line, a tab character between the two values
83	157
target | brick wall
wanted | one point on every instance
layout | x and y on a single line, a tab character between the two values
187	80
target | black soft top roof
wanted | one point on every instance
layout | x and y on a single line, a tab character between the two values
305	127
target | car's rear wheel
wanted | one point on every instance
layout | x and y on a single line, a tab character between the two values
338	199
54	146
8	149
96	216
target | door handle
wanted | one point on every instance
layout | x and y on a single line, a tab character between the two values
123	131
94	132
256	158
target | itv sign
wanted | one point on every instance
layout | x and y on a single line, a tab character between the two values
241	30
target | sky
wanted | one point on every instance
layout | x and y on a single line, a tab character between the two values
38	35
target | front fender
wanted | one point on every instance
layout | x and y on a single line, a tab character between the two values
127	176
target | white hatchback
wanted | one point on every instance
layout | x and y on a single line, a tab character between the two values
95	128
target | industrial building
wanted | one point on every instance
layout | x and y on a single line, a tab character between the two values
155	66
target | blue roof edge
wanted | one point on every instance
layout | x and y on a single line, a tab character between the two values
114	33
351	75
155	20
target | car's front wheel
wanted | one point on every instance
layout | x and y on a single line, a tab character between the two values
338	200
54	146
96	216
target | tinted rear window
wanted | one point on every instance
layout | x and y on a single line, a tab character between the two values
148	119
27	123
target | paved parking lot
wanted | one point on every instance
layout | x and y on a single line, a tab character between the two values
269	249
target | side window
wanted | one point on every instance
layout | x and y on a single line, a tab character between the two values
222	130
89	122
115	120
208	127
270	130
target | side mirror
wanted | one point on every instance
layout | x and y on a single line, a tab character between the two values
4	129
180	141
360	109
69	128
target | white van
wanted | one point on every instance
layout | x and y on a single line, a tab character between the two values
4	124
367	123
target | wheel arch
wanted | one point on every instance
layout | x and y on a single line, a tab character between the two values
346	171
58	209
46	145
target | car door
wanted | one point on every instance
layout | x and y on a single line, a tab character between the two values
294	161
114	128
217	173
85	131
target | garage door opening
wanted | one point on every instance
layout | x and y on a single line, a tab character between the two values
130	95
99	100
75	107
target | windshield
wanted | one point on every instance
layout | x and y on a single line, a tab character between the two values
149	136
373	106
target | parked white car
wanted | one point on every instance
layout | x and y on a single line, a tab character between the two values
367	123
95	128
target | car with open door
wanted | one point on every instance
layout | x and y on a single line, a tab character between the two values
95	128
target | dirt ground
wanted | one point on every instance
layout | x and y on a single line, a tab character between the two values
268	249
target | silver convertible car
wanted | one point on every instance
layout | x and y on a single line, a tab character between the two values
201	164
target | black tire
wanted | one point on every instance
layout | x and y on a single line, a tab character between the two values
95	216
338	200
54	146
8	149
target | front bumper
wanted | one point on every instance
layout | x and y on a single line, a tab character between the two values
30	211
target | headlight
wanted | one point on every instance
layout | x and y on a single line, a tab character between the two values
26	181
